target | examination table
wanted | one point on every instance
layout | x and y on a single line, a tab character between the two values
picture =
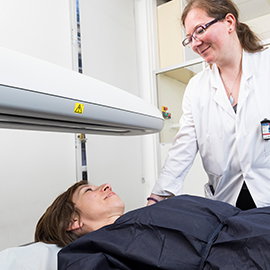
35	256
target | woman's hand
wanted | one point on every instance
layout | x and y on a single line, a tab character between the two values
154	199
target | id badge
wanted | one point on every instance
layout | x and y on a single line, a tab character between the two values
265	124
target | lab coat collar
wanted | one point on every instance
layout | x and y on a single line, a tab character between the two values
247	65
247	73
220	94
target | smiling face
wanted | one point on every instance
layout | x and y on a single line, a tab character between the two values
99	206
215	43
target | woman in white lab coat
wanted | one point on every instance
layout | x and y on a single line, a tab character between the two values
223	111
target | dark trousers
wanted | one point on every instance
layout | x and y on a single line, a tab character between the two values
245	201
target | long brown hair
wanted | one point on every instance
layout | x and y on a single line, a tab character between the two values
52	226
219	9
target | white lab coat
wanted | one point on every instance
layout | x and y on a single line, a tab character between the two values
230	144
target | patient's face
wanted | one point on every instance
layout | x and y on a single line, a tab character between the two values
98	205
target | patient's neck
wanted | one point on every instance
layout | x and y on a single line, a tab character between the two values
109	221
93	226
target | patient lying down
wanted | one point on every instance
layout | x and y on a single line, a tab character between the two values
81	209
184	232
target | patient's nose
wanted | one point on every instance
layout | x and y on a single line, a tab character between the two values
106	187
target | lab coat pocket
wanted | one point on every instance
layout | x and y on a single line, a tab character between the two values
211	187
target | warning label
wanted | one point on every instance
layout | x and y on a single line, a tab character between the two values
78	108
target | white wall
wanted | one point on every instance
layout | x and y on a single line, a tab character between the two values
35	166
108	42
109	54
261	26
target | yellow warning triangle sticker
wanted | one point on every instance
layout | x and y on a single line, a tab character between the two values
78	108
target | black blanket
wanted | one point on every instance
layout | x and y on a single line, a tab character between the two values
183	232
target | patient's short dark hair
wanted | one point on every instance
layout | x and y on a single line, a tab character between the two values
52	226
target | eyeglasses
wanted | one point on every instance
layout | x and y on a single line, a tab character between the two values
198	33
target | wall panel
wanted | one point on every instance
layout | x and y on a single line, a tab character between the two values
35	166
